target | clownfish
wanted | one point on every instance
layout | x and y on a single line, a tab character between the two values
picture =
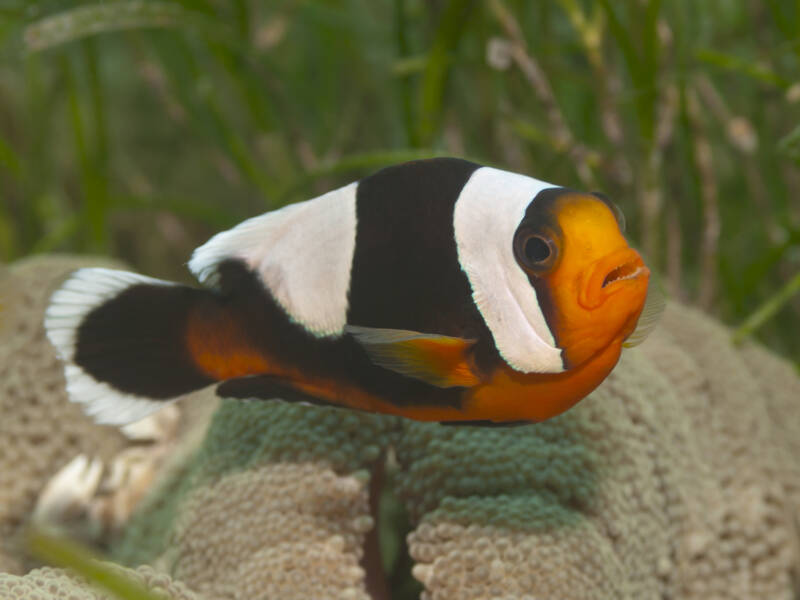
438	290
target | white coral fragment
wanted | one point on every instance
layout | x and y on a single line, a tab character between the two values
159	427
68	494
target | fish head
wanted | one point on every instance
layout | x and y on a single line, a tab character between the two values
590	283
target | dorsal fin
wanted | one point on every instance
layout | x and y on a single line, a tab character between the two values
439	360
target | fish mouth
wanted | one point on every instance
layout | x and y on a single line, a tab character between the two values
629	270
609	274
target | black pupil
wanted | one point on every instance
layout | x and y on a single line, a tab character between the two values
536	249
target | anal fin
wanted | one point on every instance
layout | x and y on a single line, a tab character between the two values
267	387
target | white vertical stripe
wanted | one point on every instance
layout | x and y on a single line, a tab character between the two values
487	213
303	254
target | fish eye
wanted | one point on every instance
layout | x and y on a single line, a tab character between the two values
535	251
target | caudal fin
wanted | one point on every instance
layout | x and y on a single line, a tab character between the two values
125	341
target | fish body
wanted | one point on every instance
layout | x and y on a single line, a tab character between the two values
437	290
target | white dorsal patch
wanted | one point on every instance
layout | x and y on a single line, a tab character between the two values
302	252
85	290
487	213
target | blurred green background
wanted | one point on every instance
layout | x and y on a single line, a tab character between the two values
140	128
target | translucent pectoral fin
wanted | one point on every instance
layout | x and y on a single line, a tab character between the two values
654	306
439	360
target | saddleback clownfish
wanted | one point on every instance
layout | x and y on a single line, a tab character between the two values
438	290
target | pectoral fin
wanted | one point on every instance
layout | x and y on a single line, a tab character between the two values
439	360
651	313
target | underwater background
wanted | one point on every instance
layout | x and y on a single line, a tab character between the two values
138	129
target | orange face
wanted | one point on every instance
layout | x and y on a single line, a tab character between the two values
591	285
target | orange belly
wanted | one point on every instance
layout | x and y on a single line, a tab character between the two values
511	395
507	396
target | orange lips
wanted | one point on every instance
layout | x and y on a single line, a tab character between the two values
607	275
